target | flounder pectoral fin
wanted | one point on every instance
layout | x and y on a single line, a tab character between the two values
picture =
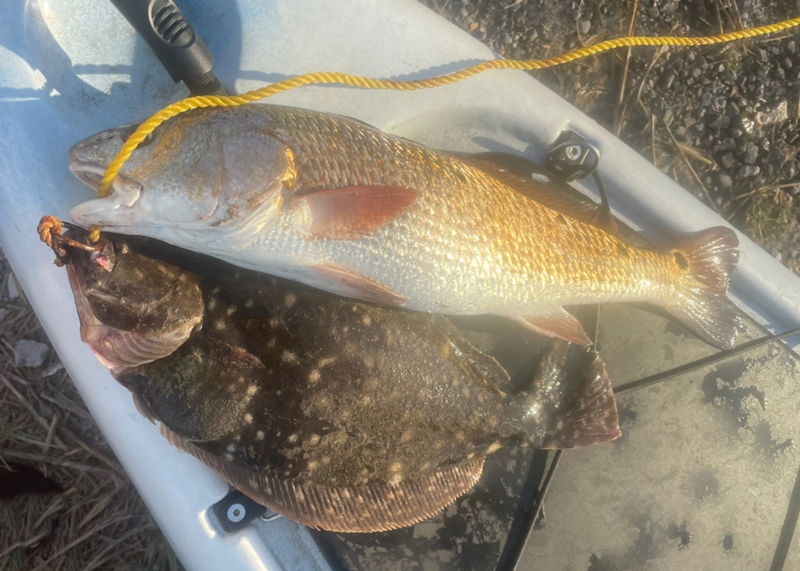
351	284
356	509
557	323
574	398
355	211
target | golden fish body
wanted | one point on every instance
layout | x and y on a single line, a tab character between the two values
341	206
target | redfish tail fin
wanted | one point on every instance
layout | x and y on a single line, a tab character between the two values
708	258
573	397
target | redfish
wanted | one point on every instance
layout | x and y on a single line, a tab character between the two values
338	414
341	206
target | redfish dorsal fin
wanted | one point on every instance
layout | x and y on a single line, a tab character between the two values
356	509
515	172
707	259
573	397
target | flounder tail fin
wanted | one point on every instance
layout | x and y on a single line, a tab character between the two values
708	258
573	399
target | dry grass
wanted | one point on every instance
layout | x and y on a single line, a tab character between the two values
99	522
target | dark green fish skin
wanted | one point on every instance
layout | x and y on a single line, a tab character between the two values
304	400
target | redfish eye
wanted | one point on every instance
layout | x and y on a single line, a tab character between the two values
126	134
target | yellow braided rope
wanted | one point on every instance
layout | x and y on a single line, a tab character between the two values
371	83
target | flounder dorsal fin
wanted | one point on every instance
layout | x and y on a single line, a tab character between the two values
515	172
357	509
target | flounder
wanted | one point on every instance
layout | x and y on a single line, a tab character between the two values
339	414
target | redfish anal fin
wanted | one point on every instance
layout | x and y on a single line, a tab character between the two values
355	509
556	323
708	258
355	285
353	212
574	398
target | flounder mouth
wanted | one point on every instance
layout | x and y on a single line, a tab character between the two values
123	195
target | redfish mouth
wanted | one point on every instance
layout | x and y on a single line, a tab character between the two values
89	174
121	199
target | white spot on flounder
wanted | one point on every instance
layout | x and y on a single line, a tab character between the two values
289	299
260	435
248	418
313	376
288	357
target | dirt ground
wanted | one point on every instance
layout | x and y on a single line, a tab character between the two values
722	121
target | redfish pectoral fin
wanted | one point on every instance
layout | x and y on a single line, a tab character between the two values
556	323
576	402
357	286
707	258
355	508
356	211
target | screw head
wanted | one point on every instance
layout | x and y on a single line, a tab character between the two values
573	152
236	513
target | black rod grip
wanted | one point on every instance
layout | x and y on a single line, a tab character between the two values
178	47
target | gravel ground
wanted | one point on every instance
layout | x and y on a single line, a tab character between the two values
721	120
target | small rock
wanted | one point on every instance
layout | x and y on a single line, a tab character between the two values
52	369
748	125
721	122
45	408
727	160
584	25
749	171
13	292
3	313
724	180
750	154
666	79
29	353
790	47
705	99
727	144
